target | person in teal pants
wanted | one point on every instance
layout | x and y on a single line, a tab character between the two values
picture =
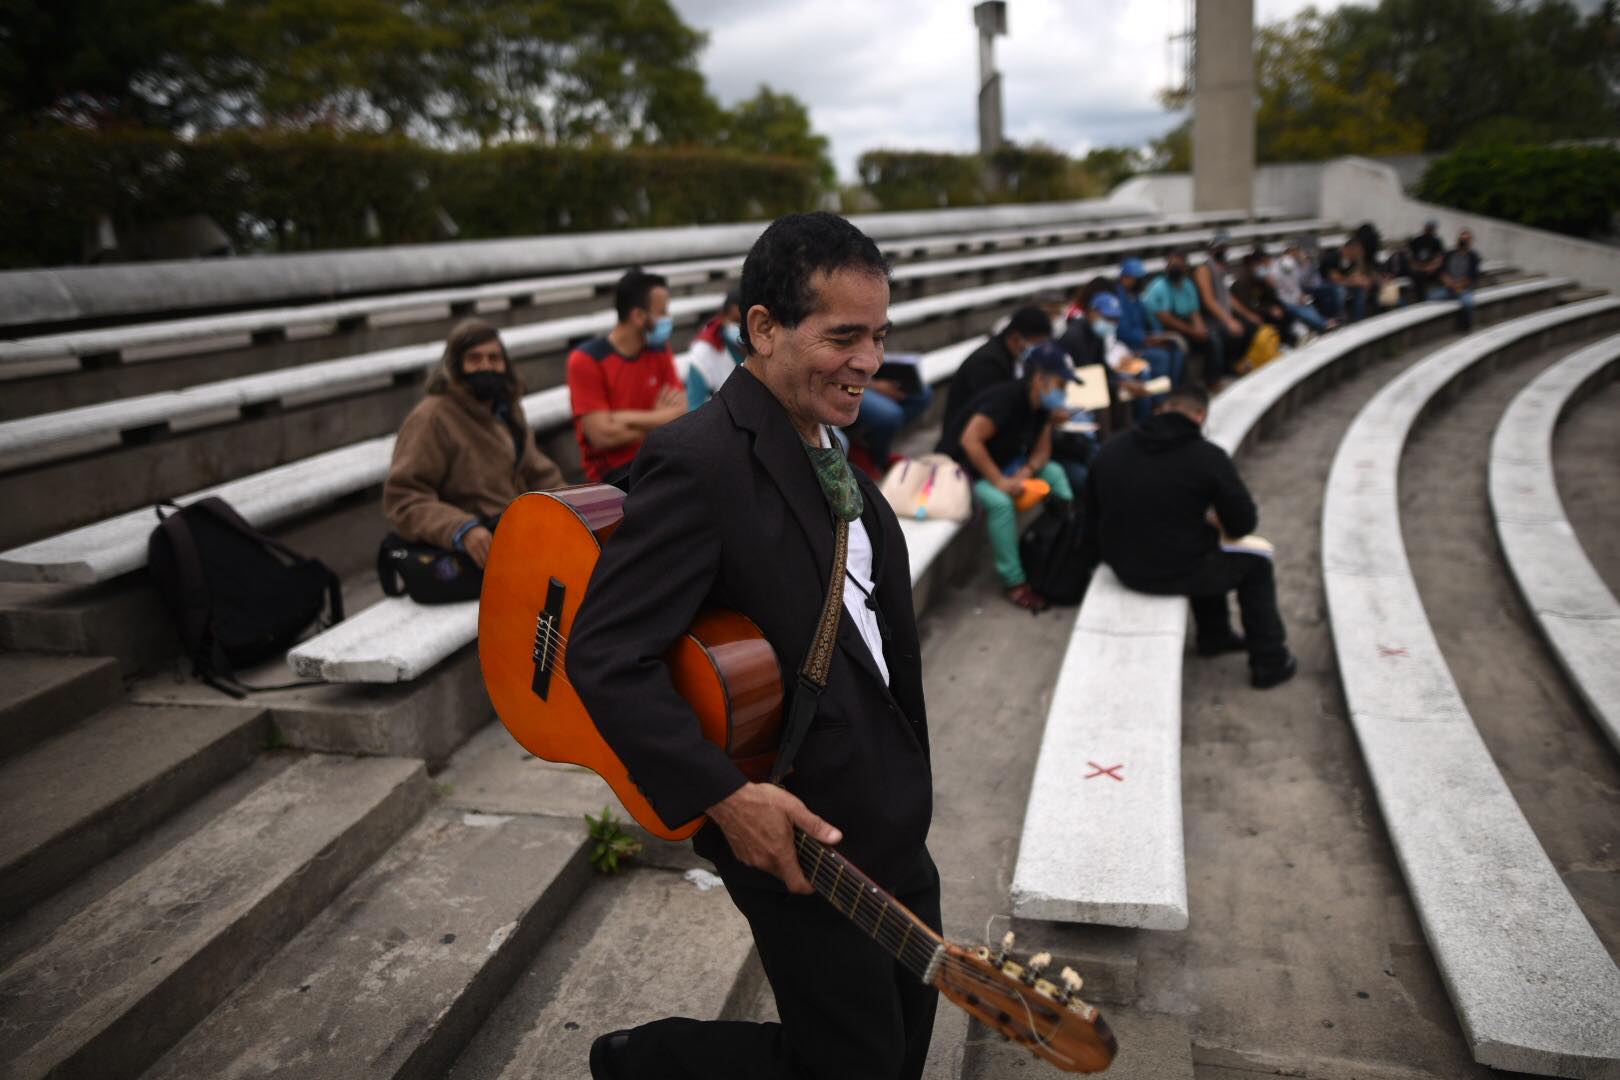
1004	437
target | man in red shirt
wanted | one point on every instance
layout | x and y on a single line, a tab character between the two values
624	385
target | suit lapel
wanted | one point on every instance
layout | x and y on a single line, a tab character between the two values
781	452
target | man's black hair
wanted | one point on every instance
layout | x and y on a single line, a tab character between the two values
1192	393
1028	322
776	275
635	291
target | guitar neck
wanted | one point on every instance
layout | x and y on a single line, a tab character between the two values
902	935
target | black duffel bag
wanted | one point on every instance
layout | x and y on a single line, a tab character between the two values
1051	552
427	574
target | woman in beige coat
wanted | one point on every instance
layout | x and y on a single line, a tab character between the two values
466	450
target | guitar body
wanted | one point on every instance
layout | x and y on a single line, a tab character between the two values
539	566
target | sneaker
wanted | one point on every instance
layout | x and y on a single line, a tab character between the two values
1230	642
608	1055
1027	598
1267	677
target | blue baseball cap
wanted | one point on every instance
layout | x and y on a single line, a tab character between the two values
1132	268
1051	358
1106	304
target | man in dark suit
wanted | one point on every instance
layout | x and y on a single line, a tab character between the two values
733	506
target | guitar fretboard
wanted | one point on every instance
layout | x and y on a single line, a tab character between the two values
904	936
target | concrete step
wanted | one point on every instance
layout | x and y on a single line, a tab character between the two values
394	977
74	799
125	977
1152	1046
636	947
43	695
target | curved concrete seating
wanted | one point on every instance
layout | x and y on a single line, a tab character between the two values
1577	613
1110	851
110	343
51	436
105	292
1533	985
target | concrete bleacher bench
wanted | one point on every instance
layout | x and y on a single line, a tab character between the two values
1126	866
111	344
397	640
51	436
1531	982
1578	614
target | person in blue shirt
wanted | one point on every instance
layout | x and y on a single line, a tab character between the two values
1172	300
1139	331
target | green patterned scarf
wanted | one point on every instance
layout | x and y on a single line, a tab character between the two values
837	481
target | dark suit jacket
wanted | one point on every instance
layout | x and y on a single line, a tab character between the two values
725	511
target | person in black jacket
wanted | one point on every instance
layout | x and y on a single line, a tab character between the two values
1160	502
732	506
1000	359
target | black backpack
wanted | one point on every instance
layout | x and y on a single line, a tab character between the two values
1051	552
237	596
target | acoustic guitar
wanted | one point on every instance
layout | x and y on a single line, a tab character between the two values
539	565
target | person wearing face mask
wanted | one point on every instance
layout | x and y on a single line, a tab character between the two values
1138	329
1228	317
624	385
1158	502
1459	274
1000	359
1004	437
466	450
715	351
1172	300
739	505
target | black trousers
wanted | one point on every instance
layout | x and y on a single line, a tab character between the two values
849	1011
1254	580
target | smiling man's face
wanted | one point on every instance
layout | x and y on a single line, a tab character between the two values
820	369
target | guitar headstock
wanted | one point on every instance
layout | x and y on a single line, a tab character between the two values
1042	1013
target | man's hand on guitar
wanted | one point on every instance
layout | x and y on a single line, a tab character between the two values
758	821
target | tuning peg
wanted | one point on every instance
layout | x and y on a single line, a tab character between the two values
1071	980
1007	941
1039	962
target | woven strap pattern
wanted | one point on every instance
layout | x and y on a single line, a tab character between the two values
819	658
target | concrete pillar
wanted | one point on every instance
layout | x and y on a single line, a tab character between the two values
991	19
1223	105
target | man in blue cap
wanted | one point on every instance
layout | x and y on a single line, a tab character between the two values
1139	331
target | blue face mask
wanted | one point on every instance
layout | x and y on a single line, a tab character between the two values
658	336
1053	399
1103	327
732	333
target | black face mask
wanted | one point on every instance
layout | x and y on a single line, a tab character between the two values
1176	273
486	385
1218	254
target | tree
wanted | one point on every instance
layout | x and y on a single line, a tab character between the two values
779	125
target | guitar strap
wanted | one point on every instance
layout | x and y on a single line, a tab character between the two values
813	676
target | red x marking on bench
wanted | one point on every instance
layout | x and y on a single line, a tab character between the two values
1105	770
1385	650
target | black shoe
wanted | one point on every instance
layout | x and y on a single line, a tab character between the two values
609	1056
1275	675
1228	642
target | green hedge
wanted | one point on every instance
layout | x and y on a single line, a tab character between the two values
308	191
919	180
1570	189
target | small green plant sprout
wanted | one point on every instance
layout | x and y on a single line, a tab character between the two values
612	842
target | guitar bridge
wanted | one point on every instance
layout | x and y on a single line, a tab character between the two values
547	639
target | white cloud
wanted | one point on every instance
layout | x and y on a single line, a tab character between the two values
1076	74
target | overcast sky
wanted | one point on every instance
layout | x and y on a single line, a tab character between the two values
904	73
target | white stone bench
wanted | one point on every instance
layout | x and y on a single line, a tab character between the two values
1110	851
113	344
1531	982
1577	613
51	436
397	640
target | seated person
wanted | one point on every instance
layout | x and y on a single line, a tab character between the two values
1227	317
1424	254
624	385
715	352
1294	275
1004	437
886	407
466	450
1345	283
1172	300
1139	330
1459	275
1091	338
1158	501
1254	291
998	360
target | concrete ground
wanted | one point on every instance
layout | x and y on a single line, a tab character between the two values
1586	448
